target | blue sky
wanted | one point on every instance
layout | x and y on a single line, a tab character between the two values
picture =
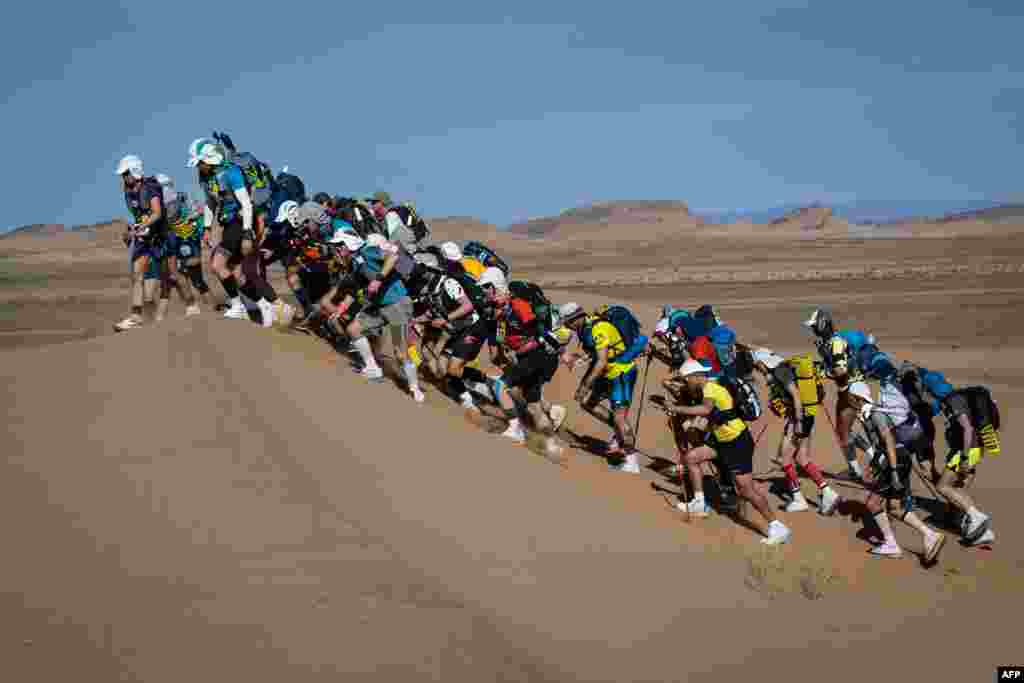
517	110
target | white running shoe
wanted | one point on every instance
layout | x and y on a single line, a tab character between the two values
887	550
129	323
515	433
418	395
236	312
631	465
374	375
797	504
694	508
557	414
778	533
987	538
192	310
266	312
161	309
974	526
829	501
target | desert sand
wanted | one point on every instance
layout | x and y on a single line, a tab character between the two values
207	500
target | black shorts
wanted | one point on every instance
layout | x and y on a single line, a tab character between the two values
736	455
317	283
466	343
231	241
531	372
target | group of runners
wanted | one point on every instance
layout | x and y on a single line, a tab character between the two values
365	269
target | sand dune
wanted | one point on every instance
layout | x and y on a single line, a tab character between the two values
206	500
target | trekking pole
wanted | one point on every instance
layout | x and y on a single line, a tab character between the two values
640	410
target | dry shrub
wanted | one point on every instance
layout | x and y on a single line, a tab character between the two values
769	573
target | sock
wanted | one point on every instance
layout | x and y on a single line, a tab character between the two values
362	346
410	375
974	513
791	477
303	299
230	287
235	301
815	474
698	498
882	520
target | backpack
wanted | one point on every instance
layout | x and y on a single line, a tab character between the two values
984	410
745	401
724	341
701	349
923	387
486	256
359	216
412	220
707	317
259	179
623	320
872	362
542	307
292	186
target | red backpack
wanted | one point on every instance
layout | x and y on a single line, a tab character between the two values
702	350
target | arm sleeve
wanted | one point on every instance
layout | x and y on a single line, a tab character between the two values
207	215
245	202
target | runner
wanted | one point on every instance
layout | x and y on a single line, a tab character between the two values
461	308
839	359
144	198
606	380
730	442
794	396
520	333
235	259
971	430
388	305
181	249
889	460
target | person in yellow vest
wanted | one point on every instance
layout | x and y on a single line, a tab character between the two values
729	441
795	392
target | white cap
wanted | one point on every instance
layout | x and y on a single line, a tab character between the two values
495	278
288	211
813	320
569	311
692	367
766	356
451	251
861	390
130	164
165	180
206	151
350	241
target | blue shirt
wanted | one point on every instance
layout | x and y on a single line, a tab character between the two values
368	263
220	189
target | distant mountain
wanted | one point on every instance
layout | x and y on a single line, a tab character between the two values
35	229
877	212
603	213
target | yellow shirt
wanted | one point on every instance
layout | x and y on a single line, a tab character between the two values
719	395
605	336
473	267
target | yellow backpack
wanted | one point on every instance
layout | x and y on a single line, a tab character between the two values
809	384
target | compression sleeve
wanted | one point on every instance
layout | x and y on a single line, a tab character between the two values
245	202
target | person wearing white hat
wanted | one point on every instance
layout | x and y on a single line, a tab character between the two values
730	442
372	271
889	451
235	260
144	198
793	388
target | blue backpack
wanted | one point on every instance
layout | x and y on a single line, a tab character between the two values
724	340
628	327
924	386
